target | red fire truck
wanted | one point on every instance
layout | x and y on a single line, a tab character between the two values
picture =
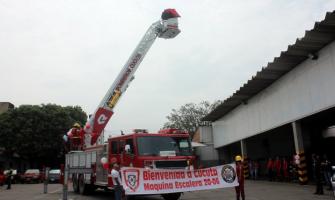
168	148
89	163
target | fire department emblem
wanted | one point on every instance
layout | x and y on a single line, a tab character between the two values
131	177
228	173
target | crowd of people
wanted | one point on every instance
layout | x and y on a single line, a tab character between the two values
286	169
278	169
282	169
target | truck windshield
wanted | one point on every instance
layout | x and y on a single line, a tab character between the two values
156	146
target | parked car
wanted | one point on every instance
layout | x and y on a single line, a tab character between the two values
32	176
2	178
54	176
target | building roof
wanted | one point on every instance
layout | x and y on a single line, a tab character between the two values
314	40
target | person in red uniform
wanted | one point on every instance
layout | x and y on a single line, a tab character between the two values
285	169
269	167
240	176
278	168
75	137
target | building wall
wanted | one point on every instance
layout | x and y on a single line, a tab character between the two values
305	90
208	155
206	134
5	106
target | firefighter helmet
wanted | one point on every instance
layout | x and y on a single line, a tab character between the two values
238	158
76	125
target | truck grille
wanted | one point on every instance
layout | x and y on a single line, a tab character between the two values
171	164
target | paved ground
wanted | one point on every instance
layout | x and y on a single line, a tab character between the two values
255	190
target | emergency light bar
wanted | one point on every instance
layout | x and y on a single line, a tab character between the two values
172	131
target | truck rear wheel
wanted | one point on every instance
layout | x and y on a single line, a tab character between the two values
84	188
75	183
171	196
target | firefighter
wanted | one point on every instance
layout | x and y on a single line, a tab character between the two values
240	177
269	167
285	169
75	137
278	167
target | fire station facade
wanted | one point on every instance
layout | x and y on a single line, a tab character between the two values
288	107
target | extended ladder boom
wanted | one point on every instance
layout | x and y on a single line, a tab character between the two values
166	28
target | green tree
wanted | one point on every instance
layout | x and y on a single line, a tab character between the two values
188	116
34	132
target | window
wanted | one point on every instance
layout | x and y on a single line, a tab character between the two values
121	146
131	145
154	146
114	147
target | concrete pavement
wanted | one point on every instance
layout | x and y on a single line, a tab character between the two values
255	190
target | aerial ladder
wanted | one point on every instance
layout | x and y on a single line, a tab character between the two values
166	28
85	161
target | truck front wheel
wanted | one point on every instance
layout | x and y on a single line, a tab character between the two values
75	183
171	196
82	185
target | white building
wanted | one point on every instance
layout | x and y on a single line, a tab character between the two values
286	107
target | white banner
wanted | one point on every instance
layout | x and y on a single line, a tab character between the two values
159	181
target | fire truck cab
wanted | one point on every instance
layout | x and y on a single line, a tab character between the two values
170	148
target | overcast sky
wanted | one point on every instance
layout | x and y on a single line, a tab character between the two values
68	52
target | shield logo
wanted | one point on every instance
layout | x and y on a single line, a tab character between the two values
131	177
228	174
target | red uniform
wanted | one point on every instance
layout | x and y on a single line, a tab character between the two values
278	167
285	168
76	138
269	167
240	176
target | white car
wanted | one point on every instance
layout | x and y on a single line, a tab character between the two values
54	175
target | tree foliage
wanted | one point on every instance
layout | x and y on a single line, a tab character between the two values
188	116
35	132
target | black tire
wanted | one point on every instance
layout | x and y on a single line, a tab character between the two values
171	196
75	183
84	189
81	184
130	197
